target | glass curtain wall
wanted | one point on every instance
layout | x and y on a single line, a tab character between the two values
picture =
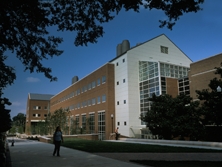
152	80
101	125
92	123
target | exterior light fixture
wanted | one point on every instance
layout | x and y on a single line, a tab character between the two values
219	89
112	122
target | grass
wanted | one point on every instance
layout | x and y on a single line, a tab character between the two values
104	146
113	147
178	163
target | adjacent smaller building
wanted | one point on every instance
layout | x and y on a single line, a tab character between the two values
201	72
38	106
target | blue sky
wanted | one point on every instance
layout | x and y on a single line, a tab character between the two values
198	35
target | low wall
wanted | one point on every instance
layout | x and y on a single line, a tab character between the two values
48	139
175	142
83	136
45	139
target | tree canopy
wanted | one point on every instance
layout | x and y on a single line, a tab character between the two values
19	120
23	26
172	117
5	119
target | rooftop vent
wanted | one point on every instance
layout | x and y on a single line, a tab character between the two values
75	79
122	48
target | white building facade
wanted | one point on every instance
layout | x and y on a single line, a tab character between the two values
141	71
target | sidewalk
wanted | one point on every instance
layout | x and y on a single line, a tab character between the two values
36	154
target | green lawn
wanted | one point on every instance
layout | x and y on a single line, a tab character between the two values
103	146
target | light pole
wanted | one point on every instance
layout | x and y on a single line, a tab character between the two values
219	107
112	122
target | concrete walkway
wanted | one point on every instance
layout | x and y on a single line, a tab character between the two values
26	153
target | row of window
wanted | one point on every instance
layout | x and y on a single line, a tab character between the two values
38	115
124	102
101	123
118	123
85	88
39	107
174	71
184	87
89	102
123	60
117	83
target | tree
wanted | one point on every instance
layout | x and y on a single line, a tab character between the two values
19	121
7	74
24	27
212	100
172	117
24	31
58	118
5	119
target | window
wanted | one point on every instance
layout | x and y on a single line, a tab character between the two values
101	125
36	107
164	49
82	104
103	98
123	60
125	123
93	84
103	79
84	122
117	83
124	80
118	123
89	102
77	121
45	115
117	102
85	88
124	101
92	123
93	101
117	64
98	81
98	100
86	102
89	86
46	108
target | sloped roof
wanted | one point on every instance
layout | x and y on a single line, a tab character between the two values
35	96
149	41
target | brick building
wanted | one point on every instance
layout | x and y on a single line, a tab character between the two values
116	93
36	110
201	72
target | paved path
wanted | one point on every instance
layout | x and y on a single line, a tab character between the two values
36	154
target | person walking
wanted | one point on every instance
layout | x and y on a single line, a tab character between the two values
57	139
117	133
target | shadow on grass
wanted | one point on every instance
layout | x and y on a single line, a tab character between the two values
178	163
111	147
